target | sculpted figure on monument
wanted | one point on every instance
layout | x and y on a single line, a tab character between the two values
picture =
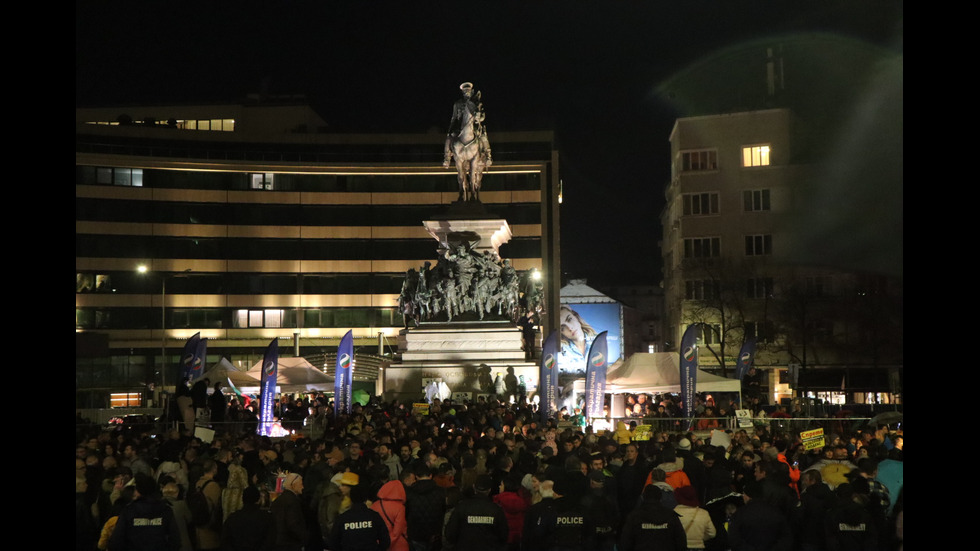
467	281
467	143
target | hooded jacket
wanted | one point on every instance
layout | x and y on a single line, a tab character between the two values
391	506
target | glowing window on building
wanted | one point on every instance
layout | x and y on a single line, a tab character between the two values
262	181
756	155
125	399
258	318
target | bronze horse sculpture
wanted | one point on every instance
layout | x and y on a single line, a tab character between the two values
467	143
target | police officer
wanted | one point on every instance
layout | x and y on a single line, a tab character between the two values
568	526
477	522
652	527
360	528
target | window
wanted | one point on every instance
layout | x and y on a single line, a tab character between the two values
756	155
700	203
705	159
758	245
258	318
702	247
262	181
129	177
710	333
761	331
756	200
819	286
698	289
759	287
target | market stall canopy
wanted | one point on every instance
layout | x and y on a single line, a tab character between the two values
658	373
297	375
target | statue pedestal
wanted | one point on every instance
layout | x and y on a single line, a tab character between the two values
466	352
461	343
467	356
482	234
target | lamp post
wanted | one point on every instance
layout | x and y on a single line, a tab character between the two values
143	269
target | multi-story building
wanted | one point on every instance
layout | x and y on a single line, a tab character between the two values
727	238
249	222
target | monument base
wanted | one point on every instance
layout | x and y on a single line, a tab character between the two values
467	356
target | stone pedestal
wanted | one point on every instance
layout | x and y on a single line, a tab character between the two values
482	235
461	343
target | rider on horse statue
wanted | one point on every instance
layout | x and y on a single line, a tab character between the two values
467	142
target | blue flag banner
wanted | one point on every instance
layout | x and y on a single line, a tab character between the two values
745	358
548	381
267	396
595	377
689	367
189	358
343	380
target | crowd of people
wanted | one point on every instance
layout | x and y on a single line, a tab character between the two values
482	475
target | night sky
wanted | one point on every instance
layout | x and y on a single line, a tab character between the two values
608	77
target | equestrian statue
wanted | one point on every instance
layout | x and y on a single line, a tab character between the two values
467	143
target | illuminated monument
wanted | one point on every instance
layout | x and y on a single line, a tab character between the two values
472	313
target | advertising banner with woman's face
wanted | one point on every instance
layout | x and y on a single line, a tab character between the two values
579	326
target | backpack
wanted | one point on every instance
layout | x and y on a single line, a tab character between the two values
197	502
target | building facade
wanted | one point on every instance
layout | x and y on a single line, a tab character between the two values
729	232
249	223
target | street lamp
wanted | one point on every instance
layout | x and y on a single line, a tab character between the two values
143	269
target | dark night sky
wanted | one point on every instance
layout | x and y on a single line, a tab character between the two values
603	75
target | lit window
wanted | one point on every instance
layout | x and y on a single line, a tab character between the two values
262	181
258	318
756	155
125	399
705	159
756	200
758	245
130	177
702	247
700	203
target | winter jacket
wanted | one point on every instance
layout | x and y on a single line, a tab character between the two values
391	506
697	525
514	507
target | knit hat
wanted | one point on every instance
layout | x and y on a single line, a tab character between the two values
349	479
684	444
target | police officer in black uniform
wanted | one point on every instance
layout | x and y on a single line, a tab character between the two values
360	528
568	526
478	523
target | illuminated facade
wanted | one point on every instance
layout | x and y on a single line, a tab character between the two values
253	223
728	235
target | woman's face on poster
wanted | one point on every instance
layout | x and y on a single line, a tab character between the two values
571	328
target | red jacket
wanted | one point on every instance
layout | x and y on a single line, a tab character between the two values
391	506
514	507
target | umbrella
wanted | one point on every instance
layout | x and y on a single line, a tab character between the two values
361	397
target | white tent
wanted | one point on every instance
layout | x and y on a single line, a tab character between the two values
296	375
656	373
227	373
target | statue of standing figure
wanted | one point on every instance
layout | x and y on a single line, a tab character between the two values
467	143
